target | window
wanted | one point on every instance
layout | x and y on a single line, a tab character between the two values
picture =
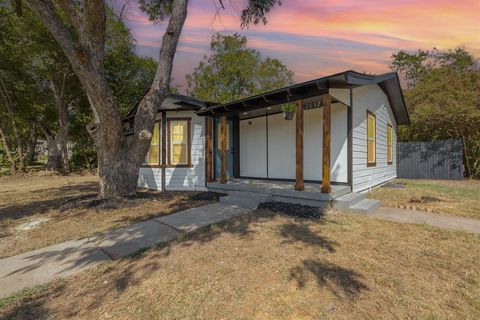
371	137
153	155
179	142
389	144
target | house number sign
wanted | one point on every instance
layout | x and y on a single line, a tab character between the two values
312	105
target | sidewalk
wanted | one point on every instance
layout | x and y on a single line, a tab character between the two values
435	220
40	266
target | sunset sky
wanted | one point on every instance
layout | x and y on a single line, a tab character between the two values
318	37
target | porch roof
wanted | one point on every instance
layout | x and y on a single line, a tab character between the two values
388	82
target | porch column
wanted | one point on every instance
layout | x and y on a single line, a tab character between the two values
223	149
209	149
299	185
327	101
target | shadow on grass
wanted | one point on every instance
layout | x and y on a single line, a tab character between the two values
84	196
341	281
57	198
91	290
297	232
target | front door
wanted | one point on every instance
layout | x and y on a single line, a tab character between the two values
218	154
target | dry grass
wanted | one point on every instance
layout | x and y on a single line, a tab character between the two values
460	198
266	266
53	199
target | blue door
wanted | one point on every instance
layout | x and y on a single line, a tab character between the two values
230	148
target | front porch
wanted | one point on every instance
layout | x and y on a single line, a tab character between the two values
283	191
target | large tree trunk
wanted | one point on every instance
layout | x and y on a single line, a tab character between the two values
118	159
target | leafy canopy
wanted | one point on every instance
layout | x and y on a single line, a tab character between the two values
234	71
255	11
443	100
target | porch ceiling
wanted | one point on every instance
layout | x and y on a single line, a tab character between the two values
349	79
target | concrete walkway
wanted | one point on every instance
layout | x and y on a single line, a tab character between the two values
43	265
420	217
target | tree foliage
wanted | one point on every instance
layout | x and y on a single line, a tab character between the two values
79	28
234	71
39	77
444	100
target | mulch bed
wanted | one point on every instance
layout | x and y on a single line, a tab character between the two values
294	210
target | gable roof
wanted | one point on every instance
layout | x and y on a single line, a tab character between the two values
388	82
173	102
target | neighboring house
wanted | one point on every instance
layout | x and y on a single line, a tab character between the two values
350	116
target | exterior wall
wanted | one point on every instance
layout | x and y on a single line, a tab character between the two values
192	178
253	148
374	99
281	146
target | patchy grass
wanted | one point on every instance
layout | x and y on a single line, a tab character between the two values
272	266
460	198
38	211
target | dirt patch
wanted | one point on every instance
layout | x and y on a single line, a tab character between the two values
460	198
425	199
68	208
272	266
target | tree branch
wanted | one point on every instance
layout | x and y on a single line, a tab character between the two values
45	10
72	12
95	21
160	88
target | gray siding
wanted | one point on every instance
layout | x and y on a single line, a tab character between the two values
374	99
192	178
431	160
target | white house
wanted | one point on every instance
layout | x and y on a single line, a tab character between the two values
342	139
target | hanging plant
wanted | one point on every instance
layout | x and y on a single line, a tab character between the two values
288	110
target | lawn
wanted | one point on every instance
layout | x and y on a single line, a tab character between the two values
460	198
38	211
272	266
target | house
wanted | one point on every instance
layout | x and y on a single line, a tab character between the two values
342	140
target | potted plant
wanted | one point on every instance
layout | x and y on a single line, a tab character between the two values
288	110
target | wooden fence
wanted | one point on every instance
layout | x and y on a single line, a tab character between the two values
441	159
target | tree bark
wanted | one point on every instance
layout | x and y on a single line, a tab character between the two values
58	88
8	151
31	145
54	160
119	160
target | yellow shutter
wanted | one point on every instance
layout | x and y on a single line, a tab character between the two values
154	150
371	137
390	144
179	142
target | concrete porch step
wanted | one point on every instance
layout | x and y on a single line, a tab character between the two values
366	206
241	202
261	197
348	200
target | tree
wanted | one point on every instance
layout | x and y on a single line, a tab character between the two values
412	66
444	103
79	29
17	90
234	71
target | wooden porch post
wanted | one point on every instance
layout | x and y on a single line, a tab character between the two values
299	185
327	101
209	149
223	149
